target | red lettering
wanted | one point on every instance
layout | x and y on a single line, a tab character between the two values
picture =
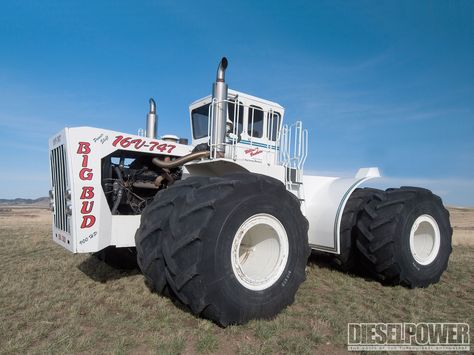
85	160
126	142
253	151
138	143
86	174
84	148
161	147
87	193
117	140
153	145
87	207
87	221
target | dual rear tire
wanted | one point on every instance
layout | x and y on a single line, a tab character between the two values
404	237
348	259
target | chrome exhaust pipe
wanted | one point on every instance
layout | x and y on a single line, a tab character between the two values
151	120
219	96
221	69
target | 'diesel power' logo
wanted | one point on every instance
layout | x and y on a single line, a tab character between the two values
408	337
87	194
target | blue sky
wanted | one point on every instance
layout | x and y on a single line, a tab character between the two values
377	83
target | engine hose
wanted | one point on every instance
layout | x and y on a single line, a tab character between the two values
119	192
180	161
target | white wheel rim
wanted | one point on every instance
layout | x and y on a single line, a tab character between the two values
425	239
259	252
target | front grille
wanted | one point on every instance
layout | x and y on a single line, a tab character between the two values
59	181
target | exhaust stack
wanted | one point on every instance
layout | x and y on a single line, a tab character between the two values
219	96
151	120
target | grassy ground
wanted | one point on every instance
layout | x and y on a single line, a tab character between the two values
55	302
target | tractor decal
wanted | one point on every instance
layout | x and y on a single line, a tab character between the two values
137	143
253	151
86	174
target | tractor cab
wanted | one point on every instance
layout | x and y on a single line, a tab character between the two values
245	133
253	125
254	138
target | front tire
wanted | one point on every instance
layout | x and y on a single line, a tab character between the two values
404	237
236	248
153	228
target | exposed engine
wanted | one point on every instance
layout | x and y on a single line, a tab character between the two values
130	182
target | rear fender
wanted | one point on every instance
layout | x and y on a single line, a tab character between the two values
325	199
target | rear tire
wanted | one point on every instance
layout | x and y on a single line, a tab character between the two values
348	258
236	248
404	237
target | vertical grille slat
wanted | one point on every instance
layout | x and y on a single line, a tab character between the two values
56	190
53	184
64	178
61	188
60	182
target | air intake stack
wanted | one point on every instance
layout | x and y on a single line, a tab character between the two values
219	112
151	120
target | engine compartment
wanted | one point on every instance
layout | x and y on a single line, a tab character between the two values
130	180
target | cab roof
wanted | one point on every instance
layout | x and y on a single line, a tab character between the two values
244	95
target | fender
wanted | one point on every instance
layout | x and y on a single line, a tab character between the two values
325	199
222	166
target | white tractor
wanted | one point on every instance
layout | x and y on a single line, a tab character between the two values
225	225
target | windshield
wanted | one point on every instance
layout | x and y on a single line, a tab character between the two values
200	119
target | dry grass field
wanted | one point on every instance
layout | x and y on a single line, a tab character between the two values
54	302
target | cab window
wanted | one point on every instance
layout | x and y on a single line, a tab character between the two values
255	122
273	125
200	121
240	111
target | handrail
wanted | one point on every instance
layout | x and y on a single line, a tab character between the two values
293	146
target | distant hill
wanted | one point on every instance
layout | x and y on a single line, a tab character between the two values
38	202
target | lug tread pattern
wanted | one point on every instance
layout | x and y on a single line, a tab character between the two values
149	236
182	247
348	258
376	234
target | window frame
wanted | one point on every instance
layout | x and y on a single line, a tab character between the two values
251	122
193	121
241	110
271	119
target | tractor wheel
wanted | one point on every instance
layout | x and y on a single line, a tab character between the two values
404	237
150	234
236	248
348	258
